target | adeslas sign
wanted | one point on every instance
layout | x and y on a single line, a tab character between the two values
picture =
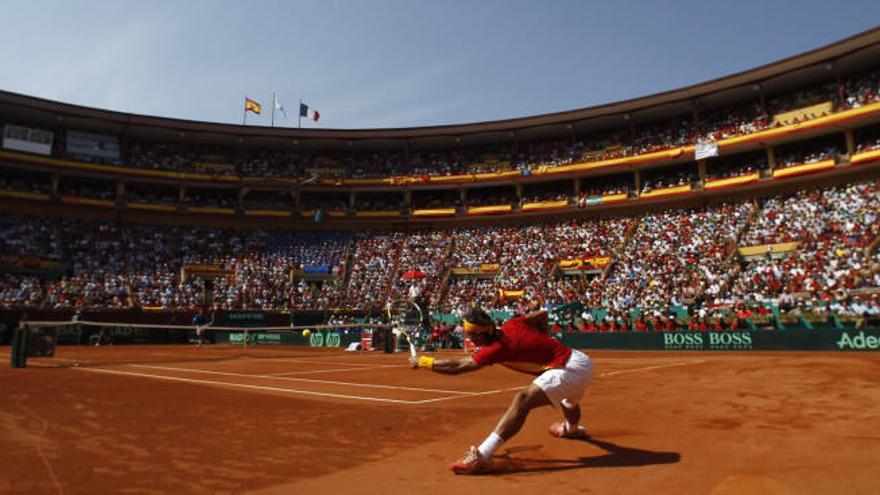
859	342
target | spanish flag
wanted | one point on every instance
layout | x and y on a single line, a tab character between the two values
251	106
510	294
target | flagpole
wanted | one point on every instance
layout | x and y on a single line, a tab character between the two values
273	108
244	114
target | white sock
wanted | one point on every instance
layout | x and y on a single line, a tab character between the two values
490	445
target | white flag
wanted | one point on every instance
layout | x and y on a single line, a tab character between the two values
280	107
706	150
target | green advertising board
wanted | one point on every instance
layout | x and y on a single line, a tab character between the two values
325	338
317	338
244	319
257	338
801	339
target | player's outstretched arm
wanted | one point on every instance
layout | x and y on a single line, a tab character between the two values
445	366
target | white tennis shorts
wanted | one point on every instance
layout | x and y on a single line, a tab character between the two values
569	383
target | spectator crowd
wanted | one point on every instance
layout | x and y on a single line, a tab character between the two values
679	257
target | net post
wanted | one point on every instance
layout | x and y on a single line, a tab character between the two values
18	356
77	317
389	339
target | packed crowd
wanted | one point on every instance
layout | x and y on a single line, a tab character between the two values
671	252
833	226
675	257
421	265
373	269
632	139
524	258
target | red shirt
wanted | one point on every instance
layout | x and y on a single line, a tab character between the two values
522	347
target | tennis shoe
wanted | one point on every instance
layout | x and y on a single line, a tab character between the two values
473	462
558	430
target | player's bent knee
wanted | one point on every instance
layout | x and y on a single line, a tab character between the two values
534	396
521	398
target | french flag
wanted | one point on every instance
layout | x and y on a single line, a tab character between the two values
309	113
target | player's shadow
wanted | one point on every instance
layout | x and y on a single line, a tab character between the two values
617	456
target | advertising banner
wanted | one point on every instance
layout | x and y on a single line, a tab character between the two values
316	269
242	319
203	270
92	145
801	114
757	340
27	139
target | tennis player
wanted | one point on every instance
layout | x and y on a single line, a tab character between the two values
200	321
523	344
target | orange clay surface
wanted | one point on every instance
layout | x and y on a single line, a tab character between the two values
162	419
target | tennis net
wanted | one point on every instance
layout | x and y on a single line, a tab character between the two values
93	343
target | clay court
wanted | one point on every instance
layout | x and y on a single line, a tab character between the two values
174	419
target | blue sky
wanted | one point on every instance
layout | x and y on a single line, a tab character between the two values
395	63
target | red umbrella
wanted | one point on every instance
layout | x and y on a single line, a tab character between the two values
413	274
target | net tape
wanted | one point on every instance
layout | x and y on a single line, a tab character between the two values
37	323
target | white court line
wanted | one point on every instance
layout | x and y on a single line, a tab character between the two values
338	370
309	361
243	385
233	359
473	394
458	394
647	368
331	382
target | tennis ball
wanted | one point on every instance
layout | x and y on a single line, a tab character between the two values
306	333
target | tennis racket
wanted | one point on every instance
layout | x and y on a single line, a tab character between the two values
407	318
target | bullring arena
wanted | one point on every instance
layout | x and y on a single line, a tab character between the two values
714	249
